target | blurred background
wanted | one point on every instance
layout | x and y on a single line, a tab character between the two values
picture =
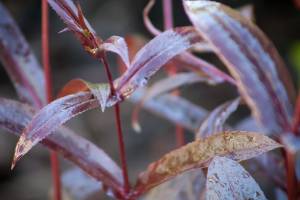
31	179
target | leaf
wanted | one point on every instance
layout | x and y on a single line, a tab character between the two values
251	58
166	85
173	108
214	122
76	22
84	186
19	62
153	56
227	179
49	118
14	116
187	186
236	145
100	90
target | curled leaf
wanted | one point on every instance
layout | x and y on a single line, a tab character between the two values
19	62
236	145
251	58
214	122
227	179
100	91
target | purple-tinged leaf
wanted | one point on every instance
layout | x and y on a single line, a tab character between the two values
236	145
251	58
187	186
117	45
101	91
14	116
78	185
76	22
173	108
280	195
249	124
49	118
165	85
19	62
227	179
201	66
291	142
153	56
173	82
214	122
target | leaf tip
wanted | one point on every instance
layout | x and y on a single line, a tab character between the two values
136	127
22	147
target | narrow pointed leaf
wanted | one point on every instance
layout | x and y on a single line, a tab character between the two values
165	85
117	45
153	56
236	145
49	118
19	62
251	58
187	186
173	108
214	122
227	179
15	116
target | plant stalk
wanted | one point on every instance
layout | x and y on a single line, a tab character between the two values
291	176
48	84
122	151
168	24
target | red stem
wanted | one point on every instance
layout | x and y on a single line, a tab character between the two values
167	11
119	128
168	24
296	120
47	74
291	176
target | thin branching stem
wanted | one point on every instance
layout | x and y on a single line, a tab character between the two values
122	151
47	73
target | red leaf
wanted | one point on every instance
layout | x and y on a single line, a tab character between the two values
250	57
214	122
19	62
14	116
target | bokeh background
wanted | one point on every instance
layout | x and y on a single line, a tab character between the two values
31	179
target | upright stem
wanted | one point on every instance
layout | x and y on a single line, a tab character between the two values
119	129
168	24
291	176
168	14
47	73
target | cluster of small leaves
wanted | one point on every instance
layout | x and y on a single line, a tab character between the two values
256	71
